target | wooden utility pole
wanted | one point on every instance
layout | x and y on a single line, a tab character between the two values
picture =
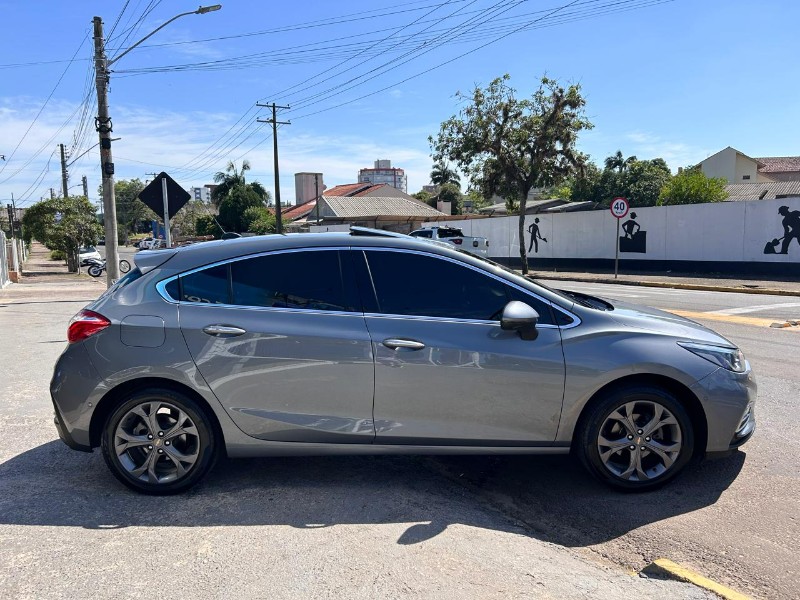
275	123
104	129
64	176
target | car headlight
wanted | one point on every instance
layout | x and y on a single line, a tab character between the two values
731	359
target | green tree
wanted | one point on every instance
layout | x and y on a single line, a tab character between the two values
451	192
233	206
509	145
618	162
643	181
184	222
442	174
693	187
477	199
423	196
63	224
207	225
259	220
232	178
133	215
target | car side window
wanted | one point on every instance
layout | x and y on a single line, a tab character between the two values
209	286
423	285
308	280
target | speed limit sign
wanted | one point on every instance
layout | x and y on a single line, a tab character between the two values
619	207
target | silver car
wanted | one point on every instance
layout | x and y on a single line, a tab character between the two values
372	343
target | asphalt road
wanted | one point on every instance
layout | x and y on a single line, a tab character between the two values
398	526
735	519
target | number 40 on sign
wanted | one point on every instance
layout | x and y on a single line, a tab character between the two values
619	207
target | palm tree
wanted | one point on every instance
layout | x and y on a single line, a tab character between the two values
619	162
442	174
231	178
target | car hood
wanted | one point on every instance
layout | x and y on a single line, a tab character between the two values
659	321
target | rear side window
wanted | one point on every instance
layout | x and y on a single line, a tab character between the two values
209	286
307	280
424	233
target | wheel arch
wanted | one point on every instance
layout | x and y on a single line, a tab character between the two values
682	393
115	396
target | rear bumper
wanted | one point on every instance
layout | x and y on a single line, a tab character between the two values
64	434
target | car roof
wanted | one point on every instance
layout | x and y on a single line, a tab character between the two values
203	253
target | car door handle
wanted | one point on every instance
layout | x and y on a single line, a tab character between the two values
399	343
223	330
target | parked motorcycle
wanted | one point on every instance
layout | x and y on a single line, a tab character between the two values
97	267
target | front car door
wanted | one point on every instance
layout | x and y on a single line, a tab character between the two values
280	342
445	372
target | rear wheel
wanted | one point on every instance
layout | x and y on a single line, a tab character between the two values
636	438
159	442
95	271
124	266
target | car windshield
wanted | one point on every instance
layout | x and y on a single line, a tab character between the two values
86	249
450	232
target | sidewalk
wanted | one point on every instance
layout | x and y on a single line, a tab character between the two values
685	281
43	277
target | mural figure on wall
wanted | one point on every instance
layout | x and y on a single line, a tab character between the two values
634	240
536	235
791	231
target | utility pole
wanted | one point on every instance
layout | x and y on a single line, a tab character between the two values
85	187
104	128
64	175
52	194
275	123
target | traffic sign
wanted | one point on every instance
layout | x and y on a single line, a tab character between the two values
619	207
153	195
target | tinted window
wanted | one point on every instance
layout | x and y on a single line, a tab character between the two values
309	280
425	233
414	284
208	286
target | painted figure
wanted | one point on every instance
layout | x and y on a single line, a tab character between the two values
791	227
536	235
631	227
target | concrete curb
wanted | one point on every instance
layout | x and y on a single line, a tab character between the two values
676	285
664	568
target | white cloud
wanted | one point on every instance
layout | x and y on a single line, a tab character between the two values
646	145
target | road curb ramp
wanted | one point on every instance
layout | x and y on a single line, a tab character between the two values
663	568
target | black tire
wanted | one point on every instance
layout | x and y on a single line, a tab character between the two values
633	448
95	271
124	266
201	445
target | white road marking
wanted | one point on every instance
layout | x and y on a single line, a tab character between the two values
756	308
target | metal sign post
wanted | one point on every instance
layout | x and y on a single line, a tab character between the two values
619	208
165	197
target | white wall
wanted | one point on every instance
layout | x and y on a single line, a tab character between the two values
723	232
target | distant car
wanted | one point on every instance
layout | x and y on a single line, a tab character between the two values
88	253
456	237
101	242
375	342
142	244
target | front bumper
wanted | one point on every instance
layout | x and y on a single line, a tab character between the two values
728	400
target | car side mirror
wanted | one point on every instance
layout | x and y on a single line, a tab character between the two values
518	316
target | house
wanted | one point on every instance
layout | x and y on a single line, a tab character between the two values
374	205
737	167
531	207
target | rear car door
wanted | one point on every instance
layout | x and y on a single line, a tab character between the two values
445	372
279	340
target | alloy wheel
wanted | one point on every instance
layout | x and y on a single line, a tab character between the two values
156	442
639	441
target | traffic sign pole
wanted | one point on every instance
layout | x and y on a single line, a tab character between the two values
619	208
165	197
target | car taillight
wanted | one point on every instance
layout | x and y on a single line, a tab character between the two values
457	241
85	324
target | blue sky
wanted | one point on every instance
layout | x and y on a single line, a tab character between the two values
679	79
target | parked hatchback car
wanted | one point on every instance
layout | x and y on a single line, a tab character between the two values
369	343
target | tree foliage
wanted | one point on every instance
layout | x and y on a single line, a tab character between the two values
233	207
64	224
508	145
259	220
693	187
442	174
233	178
133	215
618	162
184	222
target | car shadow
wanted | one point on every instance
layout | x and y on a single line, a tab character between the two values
51	485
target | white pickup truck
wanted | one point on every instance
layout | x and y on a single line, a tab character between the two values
453	235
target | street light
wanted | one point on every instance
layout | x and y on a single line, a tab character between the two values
104	128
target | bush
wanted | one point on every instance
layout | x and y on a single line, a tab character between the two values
58	255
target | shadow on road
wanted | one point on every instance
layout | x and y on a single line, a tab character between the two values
51	485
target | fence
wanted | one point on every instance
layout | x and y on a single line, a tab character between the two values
5	254
758	236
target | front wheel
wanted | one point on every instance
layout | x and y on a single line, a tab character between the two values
124	266
159	442
636	438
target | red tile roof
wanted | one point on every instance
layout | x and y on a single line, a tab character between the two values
779	164
299	211
353	189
